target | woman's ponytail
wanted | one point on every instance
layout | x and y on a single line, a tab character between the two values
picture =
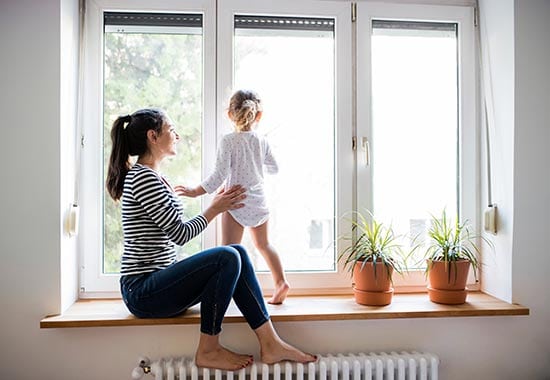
129	138
119	164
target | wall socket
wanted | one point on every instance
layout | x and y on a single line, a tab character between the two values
490	219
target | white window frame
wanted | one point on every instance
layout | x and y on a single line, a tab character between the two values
303	282
415	280
94	284
217	79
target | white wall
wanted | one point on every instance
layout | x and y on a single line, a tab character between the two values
35	100
532	167
497	36
69	43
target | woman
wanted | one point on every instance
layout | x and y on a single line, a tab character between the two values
153	284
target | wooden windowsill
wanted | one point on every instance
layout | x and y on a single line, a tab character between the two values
113	312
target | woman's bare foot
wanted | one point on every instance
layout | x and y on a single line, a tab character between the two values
273	349
222	358
279	294
211	354
284	351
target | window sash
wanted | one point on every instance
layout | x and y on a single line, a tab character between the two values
337	281
92	282
416	16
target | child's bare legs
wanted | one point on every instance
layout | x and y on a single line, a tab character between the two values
232	232
273	349
211	354
259	237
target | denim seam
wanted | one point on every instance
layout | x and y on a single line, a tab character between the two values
215	311
266	317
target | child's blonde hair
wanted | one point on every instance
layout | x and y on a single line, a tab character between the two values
244	106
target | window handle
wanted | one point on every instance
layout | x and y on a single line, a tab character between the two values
366	148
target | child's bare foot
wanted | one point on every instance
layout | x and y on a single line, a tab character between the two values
222	358
283	351
279	294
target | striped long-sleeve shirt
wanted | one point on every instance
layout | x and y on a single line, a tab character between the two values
152	222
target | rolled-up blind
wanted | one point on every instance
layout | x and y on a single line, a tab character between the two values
284	23
414	25
152	19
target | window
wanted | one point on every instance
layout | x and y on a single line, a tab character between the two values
153	59
416	123
136	58
298	55
414	70
290	62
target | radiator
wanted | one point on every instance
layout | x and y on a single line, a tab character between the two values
369	366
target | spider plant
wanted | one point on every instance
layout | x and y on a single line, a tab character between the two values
375	242
451	241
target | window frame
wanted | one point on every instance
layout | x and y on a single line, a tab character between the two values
94	284
303	282
468	197
351	88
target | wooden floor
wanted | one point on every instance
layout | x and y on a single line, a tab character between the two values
113	312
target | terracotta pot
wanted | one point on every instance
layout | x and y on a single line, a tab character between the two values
369	289
447	281
363	297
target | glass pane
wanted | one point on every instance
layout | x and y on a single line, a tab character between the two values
293	72
151	69
415	125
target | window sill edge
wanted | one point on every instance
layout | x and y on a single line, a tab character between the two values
113	312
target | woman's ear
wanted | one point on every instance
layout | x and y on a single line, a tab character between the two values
151	136
258	116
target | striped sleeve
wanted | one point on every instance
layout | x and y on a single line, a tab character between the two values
158	203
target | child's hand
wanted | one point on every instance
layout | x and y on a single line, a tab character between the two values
189	191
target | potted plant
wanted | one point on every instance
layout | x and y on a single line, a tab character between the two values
451	250
372	257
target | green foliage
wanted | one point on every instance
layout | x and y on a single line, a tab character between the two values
451	241
375	242
161	71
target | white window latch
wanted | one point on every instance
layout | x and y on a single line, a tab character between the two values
366	149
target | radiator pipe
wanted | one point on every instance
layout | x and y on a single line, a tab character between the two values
143	369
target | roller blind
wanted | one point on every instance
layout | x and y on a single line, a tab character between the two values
152	19
284	23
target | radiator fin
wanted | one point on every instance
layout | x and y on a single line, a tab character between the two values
362	366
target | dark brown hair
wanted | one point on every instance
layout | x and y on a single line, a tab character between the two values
129	138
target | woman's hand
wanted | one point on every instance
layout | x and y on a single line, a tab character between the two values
224	200
191	192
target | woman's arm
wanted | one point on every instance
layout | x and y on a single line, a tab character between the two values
154	197
225	200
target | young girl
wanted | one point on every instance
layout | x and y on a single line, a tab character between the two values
241	159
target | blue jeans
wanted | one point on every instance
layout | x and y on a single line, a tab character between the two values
211	277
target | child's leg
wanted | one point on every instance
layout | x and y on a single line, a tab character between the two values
232	232
259	237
